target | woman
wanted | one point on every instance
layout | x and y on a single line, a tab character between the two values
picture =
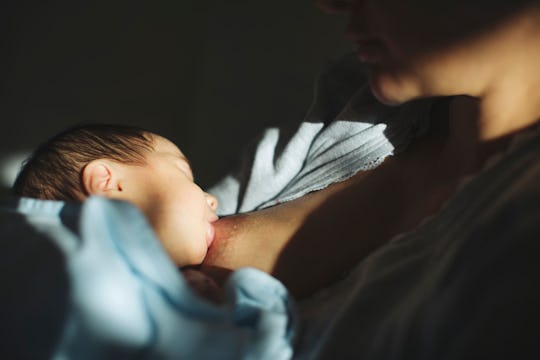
460	280
492	76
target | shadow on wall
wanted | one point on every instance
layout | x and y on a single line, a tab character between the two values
208	75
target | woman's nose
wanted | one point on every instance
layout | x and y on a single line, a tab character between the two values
211	201
335	6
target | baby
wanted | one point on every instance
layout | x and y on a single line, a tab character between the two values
132	164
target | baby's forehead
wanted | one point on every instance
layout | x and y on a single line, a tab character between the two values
164	145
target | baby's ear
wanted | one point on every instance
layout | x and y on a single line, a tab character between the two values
99	178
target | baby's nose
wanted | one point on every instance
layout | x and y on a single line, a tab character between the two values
212	201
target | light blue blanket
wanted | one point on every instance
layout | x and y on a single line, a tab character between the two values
91	281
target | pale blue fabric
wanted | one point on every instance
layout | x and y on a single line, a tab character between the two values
91	281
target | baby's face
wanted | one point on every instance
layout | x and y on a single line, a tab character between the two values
179	211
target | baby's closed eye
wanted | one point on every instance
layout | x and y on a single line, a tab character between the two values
184	166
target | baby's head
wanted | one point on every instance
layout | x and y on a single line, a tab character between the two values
126	163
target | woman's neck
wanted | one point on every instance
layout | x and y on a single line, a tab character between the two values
481	127
507	102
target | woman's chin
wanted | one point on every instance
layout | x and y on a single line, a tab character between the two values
388	89
385	99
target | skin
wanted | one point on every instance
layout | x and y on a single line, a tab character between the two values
164	190
488	72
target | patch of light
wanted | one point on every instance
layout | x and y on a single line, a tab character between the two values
9	166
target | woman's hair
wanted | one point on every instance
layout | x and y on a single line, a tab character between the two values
54	170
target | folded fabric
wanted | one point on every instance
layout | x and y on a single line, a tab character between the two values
91	281
346	130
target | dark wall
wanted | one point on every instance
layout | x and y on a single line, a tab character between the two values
206	74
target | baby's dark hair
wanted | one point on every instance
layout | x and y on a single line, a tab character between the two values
54	170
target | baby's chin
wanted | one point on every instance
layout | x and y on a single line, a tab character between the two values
183	258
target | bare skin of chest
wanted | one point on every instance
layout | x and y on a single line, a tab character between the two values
309	242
